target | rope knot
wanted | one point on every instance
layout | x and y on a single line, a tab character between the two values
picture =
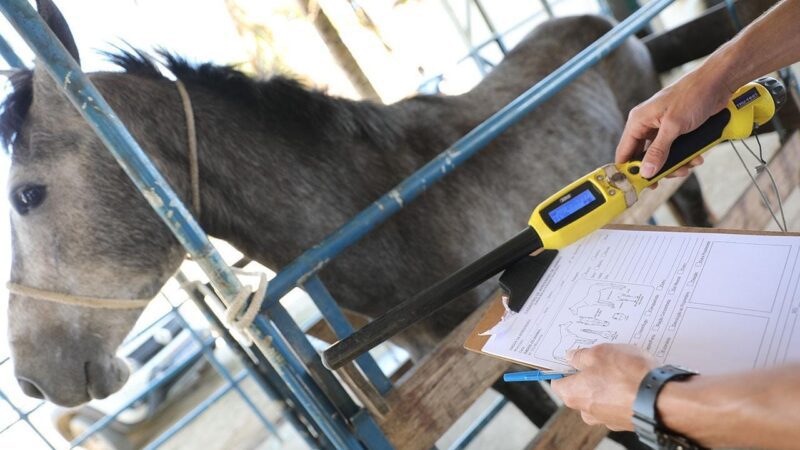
240	315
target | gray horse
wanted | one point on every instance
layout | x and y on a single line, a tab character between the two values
281	167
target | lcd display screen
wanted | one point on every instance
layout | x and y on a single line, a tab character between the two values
570	206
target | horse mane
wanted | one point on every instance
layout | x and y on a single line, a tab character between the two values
15	107
283	100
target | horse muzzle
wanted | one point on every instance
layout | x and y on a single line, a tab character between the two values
80	383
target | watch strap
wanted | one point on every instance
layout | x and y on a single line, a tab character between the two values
646	421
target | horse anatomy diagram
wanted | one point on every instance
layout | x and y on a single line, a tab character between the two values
585	322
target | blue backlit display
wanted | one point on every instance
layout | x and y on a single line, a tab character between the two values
570	206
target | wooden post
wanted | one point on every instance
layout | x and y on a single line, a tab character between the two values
438	390
340	52
364	390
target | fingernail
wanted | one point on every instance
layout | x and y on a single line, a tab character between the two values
569	354
648	169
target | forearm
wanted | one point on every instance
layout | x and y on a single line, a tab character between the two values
766	45
754	409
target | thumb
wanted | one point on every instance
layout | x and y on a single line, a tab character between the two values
656	154
579	358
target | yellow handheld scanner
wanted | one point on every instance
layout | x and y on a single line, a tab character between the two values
598	197
582	207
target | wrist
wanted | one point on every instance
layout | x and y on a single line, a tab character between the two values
647	419
729	67
682	409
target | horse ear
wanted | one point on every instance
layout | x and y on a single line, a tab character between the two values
55	20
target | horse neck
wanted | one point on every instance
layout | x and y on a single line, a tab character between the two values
275	181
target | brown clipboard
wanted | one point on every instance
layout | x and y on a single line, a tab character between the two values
475	341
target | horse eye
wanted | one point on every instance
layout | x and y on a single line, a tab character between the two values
27	197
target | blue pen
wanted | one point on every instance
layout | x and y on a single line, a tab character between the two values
537	375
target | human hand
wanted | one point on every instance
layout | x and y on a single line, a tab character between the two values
673	111
606	385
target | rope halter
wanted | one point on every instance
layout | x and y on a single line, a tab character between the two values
239	314
126	303
69	299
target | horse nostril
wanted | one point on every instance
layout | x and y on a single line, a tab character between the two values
106	377
30	389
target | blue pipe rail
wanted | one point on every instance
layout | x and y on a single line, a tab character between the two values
258	368
490	25
162	198
474	52
737	23
9	55
494	409
313	260
184	421
163	378
157	322
23	416
463	32
226	375
547	8
342	328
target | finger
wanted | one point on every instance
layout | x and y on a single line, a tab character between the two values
685	170
633	137
563	388
627	148
696	161
680	172
589	419
580	358
656	154
567	389
616	427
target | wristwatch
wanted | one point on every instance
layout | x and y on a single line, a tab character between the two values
647	423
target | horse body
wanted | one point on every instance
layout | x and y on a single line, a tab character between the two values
276	180
281	167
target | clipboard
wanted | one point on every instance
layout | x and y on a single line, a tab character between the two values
475	341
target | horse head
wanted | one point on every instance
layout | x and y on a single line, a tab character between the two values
79	228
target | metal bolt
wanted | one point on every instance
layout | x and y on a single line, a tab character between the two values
612	192
599	177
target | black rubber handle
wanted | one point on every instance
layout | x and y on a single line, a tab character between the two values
430	300
689	144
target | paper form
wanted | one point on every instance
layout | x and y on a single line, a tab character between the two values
713	302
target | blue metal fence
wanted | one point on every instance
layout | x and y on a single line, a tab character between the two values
23	414
316	393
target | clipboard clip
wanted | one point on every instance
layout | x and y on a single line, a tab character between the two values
519	280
